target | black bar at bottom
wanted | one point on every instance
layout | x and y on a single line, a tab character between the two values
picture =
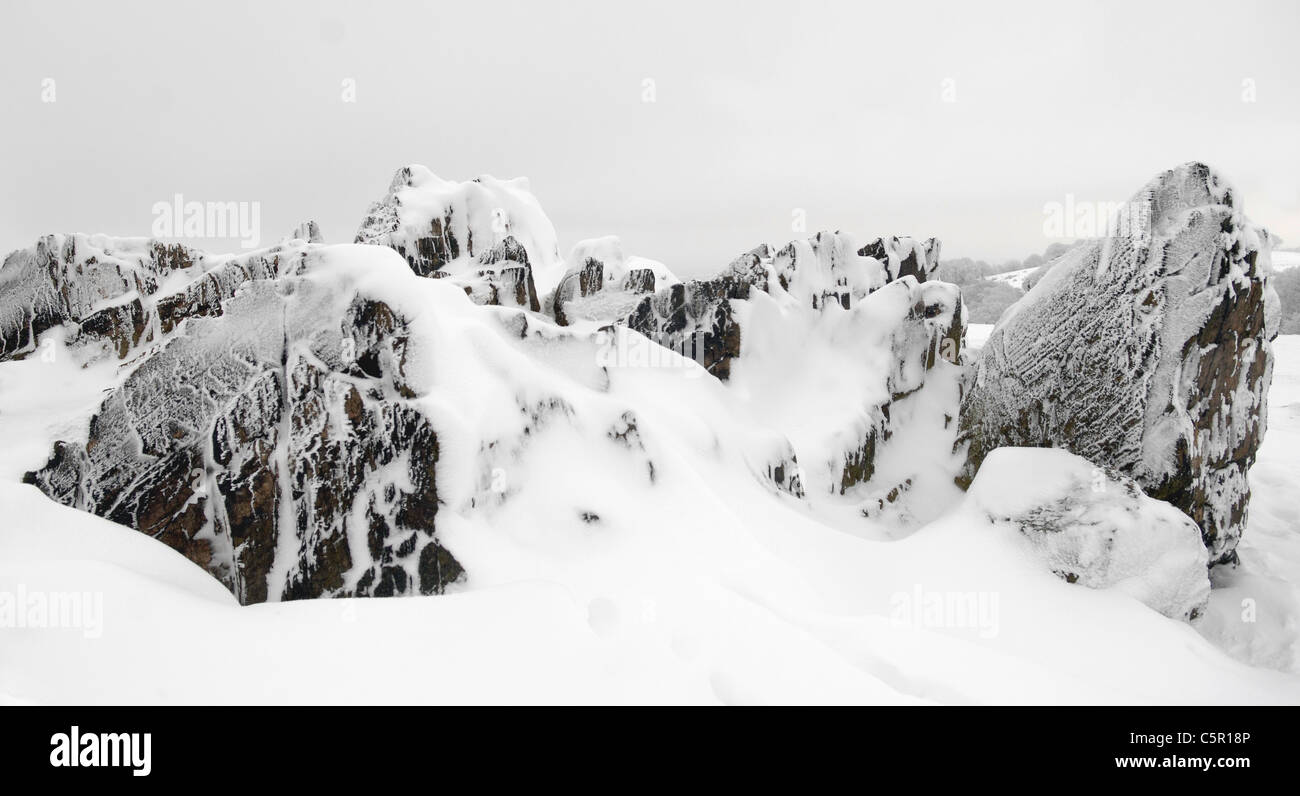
870	746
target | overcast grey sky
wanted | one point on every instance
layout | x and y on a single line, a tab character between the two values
760	108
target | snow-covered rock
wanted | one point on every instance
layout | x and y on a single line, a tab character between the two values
602	284
697	318
117	294
1147	351
264	425
318	420
1096	527
905	256
272	442
489	235
769	313
307	231
290	439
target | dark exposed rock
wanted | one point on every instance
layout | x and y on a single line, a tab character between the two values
1147	352
505	277
904	256
695	319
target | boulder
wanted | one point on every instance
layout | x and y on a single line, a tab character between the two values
1095	527
1147	351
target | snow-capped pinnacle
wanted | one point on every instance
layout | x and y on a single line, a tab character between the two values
441	226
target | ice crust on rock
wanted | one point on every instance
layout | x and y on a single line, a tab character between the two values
1147	351
274	443
118	294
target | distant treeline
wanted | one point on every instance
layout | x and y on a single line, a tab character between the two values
985	298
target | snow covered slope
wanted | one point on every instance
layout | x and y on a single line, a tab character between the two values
744	599
1015	278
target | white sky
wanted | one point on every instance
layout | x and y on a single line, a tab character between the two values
761	108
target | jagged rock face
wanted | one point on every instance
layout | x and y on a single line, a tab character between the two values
697	318
117	294
931	330
274	445
1147	351
265	427
504	278
904	256
1095	527
826	282
74	278
489	235
603	285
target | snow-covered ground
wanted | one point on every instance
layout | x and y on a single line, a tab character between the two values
708	588
1255	610
977	334
1014	278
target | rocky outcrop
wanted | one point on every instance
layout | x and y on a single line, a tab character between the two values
265	425
905	256
503	278
824	282
488	235
697	318
66	279
1147	352
307	231
274	443
1095	527
930	330
603	285
114	295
